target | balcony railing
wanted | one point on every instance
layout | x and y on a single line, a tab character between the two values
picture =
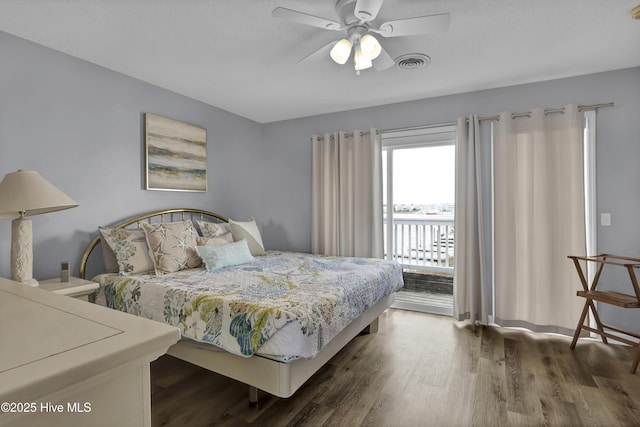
422	242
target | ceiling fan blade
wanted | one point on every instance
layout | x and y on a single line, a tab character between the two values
415	26
383	61
367	10
304	18
321	53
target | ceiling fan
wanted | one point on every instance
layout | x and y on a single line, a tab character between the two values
357	20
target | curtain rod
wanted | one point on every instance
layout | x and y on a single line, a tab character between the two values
332	136
549	111
496	117
437	125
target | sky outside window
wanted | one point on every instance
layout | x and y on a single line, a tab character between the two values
423	175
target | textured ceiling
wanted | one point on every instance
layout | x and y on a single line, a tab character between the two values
232	54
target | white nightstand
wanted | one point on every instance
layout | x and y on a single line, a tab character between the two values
75	287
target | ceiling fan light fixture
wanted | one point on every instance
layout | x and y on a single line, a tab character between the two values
358	19
341	51
361	61
370	47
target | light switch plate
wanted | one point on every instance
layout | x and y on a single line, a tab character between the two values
605	219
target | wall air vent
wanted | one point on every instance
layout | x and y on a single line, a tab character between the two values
412	61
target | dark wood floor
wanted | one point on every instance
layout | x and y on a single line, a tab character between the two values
423	370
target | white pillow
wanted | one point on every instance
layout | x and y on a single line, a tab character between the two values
248	230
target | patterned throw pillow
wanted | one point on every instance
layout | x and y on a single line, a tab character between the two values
130	249
219	256
109	258
172	246
248	230
212	229
214	241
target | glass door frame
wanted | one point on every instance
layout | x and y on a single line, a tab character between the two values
427	136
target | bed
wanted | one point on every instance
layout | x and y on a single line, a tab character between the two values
270	322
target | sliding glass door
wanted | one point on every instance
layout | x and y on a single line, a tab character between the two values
419	194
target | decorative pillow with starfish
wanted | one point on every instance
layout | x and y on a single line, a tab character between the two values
172	246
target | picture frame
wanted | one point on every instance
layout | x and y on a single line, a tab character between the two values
175	155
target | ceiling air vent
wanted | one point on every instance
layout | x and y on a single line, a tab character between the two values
412	61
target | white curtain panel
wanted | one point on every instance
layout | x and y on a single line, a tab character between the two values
539	219
469	284
347	194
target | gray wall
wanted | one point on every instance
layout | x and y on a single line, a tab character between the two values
288	143
618	154
80	126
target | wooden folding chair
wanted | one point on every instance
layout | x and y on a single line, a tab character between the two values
608	297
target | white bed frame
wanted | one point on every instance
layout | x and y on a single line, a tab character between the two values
274	377
259	372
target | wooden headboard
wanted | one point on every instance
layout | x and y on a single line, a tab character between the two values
166	215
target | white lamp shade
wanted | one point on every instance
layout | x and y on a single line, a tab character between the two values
341	51
25	193
370	47
361	61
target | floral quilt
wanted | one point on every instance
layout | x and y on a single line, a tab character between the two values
240	308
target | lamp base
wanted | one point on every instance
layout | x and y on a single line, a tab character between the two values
31	282
22	252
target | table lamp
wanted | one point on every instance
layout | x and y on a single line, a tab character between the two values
22	194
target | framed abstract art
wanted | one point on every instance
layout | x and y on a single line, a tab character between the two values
175	155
